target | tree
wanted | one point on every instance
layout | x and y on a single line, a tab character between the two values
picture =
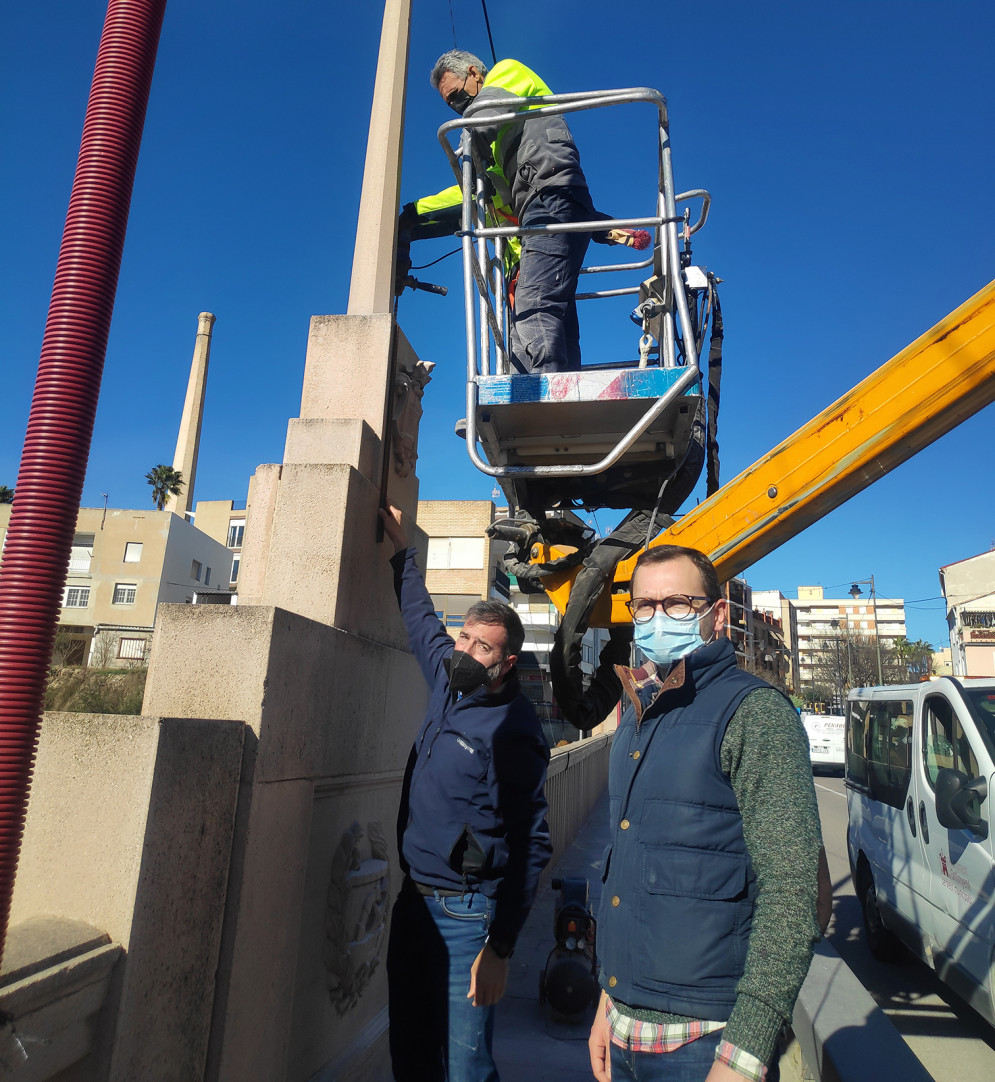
913	660
849	659
165	482
6	494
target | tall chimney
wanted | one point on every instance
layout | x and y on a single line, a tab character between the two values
188	438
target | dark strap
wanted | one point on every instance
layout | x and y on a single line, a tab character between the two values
714	385
430	892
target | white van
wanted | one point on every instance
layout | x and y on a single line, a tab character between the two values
920	766
826	741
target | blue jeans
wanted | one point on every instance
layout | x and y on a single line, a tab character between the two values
436	1034
545	334
689	1063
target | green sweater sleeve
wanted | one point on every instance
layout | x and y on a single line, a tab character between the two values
765	754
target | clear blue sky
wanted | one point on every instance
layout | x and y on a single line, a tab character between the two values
848	148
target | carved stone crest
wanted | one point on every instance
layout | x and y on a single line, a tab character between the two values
409	388
356	914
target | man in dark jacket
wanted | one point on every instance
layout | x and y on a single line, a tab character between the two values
472	835
534	169
708	912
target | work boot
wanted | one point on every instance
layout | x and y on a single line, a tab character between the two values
461	428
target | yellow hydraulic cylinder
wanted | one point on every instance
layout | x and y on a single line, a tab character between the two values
941	379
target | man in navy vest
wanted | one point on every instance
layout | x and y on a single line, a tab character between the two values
708	912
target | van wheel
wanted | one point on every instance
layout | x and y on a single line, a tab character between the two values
884	945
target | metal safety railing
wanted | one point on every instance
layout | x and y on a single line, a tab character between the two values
487	314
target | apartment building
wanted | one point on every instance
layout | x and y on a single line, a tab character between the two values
757	635
463	565
123	565
772	605
225	521
820	620
969	591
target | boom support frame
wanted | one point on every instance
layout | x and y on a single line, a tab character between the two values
942	378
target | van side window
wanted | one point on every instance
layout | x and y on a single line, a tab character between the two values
981	702
946	743
889	749
856	761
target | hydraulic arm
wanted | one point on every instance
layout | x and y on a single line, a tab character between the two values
941	379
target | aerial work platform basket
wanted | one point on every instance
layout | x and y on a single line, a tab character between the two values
623	434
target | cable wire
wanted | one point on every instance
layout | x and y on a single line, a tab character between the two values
423	266
487	23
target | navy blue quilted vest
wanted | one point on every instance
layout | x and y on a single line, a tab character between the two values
679	888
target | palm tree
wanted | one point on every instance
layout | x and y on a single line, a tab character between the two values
6	494
165	482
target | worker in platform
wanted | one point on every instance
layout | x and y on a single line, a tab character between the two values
537	180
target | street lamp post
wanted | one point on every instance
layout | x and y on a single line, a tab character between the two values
855	592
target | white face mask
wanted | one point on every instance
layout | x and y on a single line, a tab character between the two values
664	639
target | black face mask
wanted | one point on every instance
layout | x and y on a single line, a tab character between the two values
466	674
459	99
459	102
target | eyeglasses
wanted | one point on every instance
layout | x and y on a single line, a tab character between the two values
677	607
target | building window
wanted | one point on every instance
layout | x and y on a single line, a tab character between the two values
81	553
195	570
236	528
77	597
133	552
124	593
452	553
234	568
131	649
207	576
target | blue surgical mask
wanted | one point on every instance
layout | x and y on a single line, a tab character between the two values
664	639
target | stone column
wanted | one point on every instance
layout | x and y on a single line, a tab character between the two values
314	661
188	438
372	287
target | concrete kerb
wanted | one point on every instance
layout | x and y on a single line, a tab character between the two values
843	1034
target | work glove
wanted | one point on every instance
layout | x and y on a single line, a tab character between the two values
631	238
405	224
403	266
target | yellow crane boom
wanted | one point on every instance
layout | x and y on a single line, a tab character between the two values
939	380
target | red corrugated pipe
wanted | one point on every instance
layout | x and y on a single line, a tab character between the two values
60	426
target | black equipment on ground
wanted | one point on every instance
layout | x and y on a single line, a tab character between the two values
569	981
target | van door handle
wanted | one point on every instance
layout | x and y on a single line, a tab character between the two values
922	821
910	812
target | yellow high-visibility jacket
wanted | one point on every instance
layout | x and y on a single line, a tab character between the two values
526	156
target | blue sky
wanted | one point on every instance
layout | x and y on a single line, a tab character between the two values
847	147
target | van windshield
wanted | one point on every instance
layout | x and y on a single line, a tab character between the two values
982	704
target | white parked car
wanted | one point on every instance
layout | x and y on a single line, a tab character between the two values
920	766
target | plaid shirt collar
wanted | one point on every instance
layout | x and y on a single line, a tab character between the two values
646	684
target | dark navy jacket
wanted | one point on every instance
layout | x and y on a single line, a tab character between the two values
677	904
473	811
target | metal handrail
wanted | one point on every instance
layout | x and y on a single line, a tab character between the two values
479	268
